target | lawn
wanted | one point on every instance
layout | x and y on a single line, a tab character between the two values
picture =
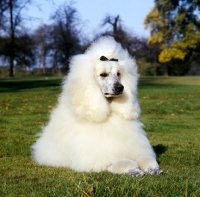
170	113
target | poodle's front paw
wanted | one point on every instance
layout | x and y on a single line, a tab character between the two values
154	171
136	173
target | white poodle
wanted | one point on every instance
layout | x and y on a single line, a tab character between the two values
95	125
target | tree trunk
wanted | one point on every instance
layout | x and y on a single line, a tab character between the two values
155	65
12	40
43	64
11	68
166	73
43	58
115	27
27	70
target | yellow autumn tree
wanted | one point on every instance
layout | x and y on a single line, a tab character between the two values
175	26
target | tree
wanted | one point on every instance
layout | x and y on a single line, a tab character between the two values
42	37
175	26
117	30
25	50
65	34
10	20
114	22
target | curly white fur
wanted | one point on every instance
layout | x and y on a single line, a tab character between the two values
89	132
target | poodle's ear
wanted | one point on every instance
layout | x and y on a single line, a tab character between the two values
83	92
127	104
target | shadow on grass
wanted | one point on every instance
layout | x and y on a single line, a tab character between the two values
153	82
16	85
169	81
160	149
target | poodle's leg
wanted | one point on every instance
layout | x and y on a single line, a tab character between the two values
126	167
149	165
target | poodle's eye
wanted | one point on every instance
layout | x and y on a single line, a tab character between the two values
118	74
103	74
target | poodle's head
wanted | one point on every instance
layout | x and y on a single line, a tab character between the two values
108	77
102	81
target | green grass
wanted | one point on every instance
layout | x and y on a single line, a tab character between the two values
170	112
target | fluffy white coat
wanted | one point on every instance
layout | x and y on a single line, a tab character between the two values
88	132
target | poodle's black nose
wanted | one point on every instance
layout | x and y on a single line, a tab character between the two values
118	87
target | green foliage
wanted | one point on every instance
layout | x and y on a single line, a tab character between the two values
170	112
175	25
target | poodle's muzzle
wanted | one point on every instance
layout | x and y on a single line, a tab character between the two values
117	90
111	86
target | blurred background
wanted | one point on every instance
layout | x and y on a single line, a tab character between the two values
37	38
